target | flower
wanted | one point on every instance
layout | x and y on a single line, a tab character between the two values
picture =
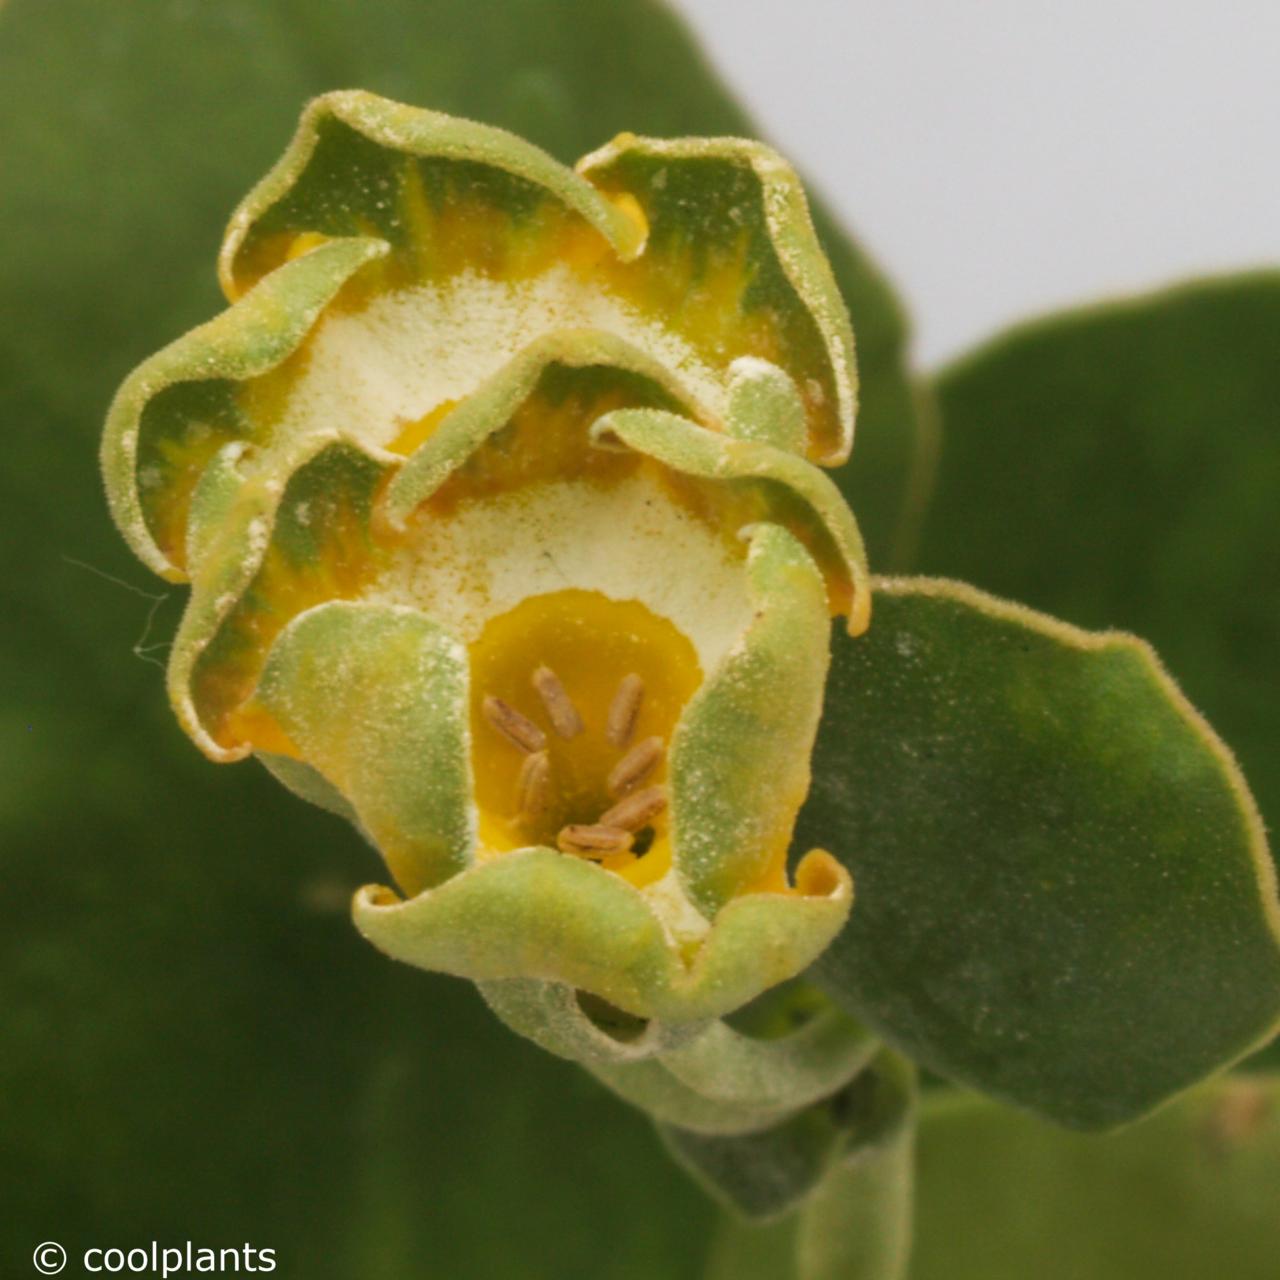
496	490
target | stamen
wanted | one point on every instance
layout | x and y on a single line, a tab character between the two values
564	715
636	810
594	840
533	786
635	766
624	709
512	725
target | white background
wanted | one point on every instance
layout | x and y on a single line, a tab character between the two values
1006	157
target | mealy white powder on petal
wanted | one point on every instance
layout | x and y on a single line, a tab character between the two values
408	351
628	541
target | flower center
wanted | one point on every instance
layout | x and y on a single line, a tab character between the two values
574	697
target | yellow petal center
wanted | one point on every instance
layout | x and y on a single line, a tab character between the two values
551	734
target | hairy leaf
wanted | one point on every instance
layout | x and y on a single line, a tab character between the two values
1119	467
1062	889
1140	445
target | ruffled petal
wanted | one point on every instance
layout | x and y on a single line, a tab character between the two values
538	914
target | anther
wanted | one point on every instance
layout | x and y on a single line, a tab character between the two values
636	810
533	786
564	715
512	725
594	840
635	766
624	709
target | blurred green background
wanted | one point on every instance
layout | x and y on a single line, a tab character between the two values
196	1044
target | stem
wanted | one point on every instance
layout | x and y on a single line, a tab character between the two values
855	1222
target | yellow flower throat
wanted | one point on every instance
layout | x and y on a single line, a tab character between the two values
574	698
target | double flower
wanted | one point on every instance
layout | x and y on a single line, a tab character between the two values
498	490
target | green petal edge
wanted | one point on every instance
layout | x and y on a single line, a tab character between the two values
684	446
536	913
253	336
491	405
787	270
793	240
232	540
417	132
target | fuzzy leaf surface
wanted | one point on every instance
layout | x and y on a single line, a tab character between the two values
1141	443
1062	889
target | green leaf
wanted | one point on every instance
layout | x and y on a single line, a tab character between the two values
182	986
1119	467
1189	1194
759	1175
1141	443
1062	891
